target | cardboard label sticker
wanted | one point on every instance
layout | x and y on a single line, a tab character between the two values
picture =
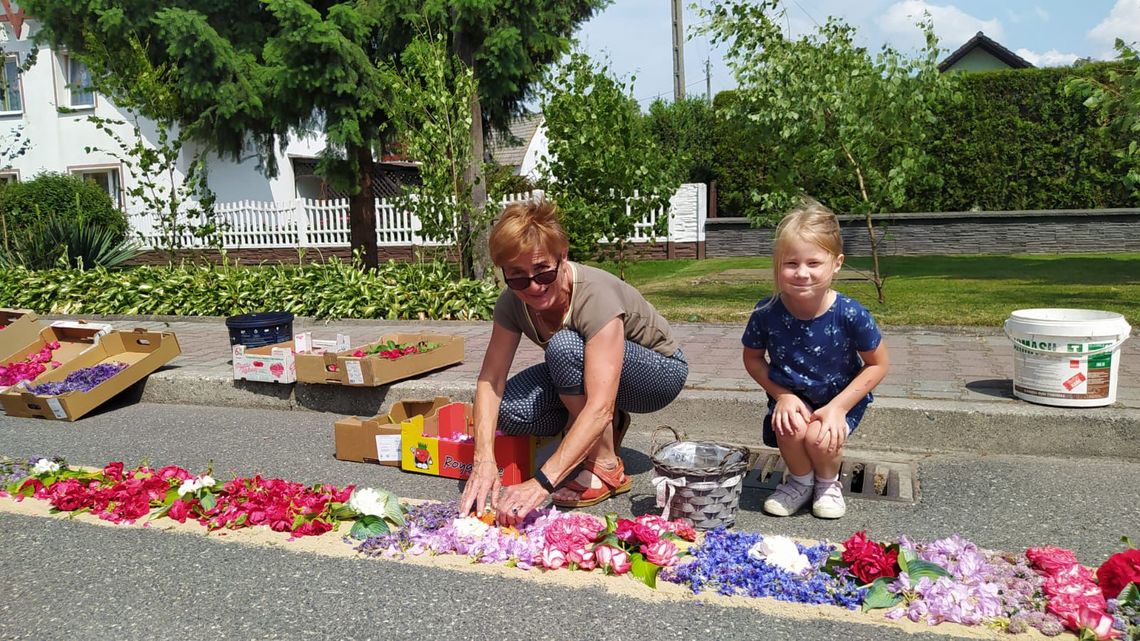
56	408
387	447
355	376
301	343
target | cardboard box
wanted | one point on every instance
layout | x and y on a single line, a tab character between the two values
142	351
265	364
74	338
374	370
442	444
377	439
317	359
17	328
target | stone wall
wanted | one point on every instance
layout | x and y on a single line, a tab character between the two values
1007	232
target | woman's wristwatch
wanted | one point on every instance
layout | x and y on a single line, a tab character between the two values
543	481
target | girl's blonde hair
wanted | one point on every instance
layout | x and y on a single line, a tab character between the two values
811	222
525	227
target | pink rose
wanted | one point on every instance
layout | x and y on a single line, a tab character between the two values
114	471
645	534
1067	607
612	560
1118	571
1097	622
174	472
684	529
553	558
662	552
1050	559
582	557
179	510
624	529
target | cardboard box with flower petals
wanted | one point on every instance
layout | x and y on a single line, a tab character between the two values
377	439
442	444
378	362
50	348
117	361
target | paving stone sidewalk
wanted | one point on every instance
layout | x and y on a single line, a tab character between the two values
952	364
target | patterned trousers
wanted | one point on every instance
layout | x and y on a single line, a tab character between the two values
531	403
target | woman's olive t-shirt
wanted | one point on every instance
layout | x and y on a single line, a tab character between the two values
598	297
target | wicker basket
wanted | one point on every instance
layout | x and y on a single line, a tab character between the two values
699	481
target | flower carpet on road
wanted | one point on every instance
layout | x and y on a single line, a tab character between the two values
948	583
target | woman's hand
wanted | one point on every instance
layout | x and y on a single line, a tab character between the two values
833	427
484	480
790	415
520	500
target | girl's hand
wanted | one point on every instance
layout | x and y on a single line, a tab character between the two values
832	429
484	480
790	415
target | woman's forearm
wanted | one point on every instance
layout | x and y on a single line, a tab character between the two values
488	396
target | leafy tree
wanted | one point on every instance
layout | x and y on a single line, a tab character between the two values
686	129
1116	100
432	110
248	74
605	170
508	45
843	117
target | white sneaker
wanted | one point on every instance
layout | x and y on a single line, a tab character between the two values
828	502
788	498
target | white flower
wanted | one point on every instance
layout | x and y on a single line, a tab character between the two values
44	466
189	486
781	552
366	501
470	528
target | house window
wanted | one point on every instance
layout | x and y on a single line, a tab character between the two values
107	178
79	85
9	177
10	99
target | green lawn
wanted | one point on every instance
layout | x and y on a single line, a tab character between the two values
920	290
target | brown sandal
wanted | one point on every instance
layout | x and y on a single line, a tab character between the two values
614	482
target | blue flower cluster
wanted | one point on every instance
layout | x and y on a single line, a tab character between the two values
721	563
81	380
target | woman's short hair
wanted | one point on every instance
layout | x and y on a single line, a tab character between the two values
525	227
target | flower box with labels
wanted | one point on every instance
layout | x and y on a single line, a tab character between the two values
395	357
301	359
117	361
377	439
47	350
442	443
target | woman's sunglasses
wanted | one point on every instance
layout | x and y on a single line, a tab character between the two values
542	278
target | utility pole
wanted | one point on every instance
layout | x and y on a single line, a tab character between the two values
708	81
678	52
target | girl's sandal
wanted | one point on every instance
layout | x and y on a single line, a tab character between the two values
614	482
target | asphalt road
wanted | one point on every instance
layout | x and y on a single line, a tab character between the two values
64	578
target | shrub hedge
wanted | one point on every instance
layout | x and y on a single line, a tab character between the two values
1015	141
60	194
334	289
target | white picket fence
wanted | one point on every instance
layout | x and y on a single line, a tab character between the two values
321	223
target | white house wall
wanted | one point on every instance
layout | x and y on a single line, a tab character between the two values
59	141
536	151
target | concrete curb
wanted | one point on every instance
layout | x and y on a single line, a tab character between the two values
892	424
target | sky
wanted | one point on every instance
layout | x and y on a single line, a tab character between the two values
636	35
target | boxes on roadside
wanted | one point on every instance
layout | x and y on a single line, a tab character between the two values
143	352
17	327
374	370
441	443
266	364
377	439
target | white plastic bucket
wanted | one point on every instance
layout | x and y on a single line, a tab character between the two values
1066	357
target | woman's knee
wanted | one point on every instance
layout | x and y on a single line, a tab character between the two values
565	360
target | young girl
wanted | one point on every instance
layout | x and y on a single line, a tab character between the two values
824	356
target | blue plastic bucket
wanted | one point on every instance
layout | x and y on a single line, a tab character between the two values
260	328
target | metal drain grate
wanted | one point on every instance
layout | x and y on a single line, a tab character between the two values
873	480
